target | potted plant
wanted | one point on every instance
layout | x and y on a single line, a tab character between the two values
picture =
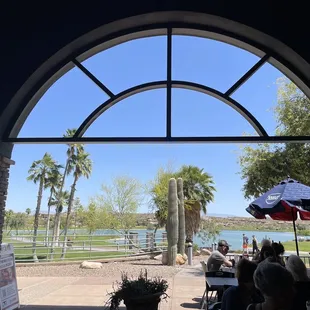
138	293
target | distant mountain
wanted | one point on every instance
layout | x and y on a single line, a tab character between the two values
221	215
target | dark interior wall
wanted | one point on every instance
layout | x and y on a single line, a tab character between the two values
33	31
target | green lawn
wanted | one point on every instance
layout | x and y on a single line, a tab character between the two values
23	250
94	241
303	246
25	255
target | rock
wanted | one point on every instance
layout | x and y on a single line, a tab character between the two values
197	253
205	252
180	260
164	259
90	265
158	257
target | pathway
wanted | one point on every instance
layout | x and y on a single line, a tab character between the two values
38	293
90	293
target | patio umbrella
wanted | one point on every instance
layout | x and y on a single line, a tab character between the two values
283	202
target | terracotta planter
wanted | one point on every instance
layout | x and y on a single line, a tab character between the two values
142	303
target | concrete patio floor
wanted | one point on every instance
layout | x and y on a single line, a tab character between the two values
88	293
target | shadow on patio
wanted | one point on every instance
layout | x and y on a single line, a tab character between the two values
192	305
45	307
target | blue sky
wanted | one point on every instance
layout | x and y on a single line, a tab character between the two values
68	102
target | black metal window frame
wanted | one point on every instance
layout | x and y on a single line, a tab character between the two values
169	83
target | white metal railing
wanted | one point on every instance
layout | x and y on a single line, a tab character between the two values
82	247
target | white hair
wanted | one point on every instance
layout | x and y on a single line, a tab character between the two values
297	268
266	242
272	279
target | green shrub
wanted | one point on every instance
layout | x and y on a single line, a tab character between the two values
150	226
196	247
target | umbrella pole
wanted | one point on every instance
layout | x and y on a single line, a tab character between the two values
295	233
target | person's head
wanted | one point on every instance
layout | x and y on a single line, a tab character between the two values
223	247
266	242
267	252
243	235
275	283
278	248
297	268
244	272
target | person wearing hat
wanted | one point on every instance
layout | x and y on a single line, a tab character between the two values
217	258
254	245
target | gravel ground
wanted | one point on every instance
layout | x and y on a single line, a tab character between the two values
111	270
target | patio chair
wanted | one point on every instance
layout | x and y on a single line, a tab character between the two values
206	299
216	306
204	269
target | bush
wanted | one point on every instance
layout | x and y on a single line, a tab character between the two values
150	226
129	288
303	232
195	247
301	227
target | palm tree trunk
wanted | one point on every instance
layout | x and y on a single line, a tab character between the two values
48	219
56	228
36	221
70	204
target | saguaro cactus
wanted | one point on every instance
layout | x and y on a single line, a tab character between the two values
181	214
172	222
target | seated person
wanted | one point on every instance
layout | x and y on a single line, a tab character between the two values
279	250
217	258
265	242
239	297
302	282
276	285
266	252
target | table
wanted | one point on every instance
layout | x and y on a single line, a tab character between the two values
218	281
228	269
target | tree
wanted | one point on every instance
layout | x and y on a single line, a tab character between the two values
209	230
60	200
198	188
121	200
8	216
81	165
28	211
292	110
92	217
71	151
18	221
52	183
264	166
78	211
38	173
158	191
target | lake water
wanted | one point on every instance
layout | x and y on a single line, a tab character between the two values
233	237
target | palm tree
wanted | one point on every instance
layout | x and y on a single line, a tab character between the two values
72	149
52	183
59	200
81	165
198	187
38	173
77	211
